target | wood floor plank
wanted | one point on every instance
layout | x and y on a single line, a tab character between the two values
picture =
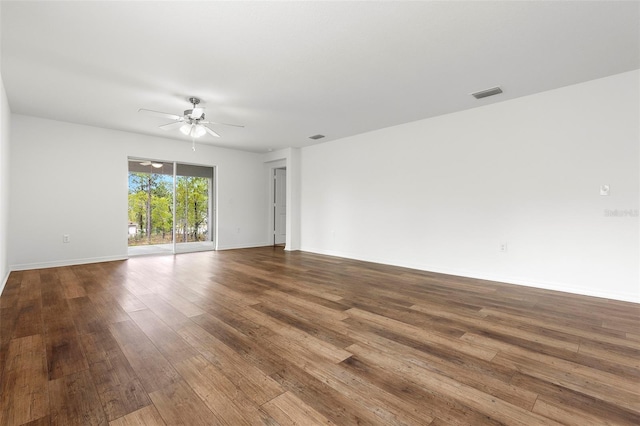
226	400
127	300
29	320
564	414
302	288
441	407
71	283
488	377
244	345
147	416
571	401
319	311
493	407
567	369
167	341
182	304
120	390
110	310
8	318
153	370
633	337
11	292
289	410
337	407
178	404
24	395
313	326
64	352
293	335
75	401
621	354
229	293
31	284
617	390
590	334
87	316
390	408
411	330
264	336
470	323
170	315
257	385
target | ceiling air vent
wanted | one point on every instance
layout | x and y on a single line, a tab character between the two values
488	92
316	137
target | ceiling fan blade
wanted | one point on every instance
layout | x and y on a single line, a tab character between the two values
172	126
222	124
197	112
150	163
160	114
211	132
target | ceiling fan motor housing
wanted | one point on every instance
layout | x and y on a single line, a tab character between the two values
189	114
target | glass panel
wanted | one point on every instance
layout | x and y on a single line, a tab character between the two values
193	203
150	203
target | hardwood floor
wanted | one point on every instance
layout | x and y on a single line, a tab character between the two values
262	336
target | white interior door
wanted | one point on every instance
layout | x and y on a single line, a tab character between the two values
280	206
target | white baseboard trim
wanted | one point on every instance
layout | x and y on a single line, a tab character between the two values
4	281
241	246
545	285
69	262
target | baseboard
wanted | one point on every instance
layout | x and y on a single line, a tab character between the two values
545	285
565	288
241	246
69	262
4	281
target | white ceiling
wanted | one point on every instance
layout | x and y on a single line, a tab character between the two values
289	70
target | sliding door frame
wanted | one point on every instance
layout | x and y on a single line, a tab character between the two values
212	218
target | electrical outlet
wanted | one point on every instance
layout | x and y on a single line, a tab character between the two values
66	238
503	247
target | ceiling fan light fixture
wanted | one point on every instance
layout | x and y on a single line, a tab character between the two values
193	130
185	128
198	130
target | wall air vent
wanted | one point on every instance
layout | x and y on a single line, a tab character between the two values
316	137
488	92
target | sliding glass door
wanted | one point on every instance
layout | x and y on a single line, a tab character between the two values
150	227
170	207
194	207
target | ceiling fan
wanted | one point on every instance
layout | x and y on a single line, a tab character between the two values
152	164
191	123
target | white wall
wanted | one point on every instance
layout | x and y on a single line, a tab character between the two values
5	115
441	194
72	179
290	159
